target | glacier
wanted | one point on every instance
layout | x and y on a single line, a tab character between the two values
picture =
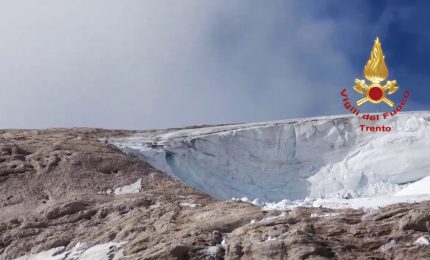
308	159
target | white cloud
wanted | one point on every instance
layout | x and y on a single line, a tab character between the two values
140	64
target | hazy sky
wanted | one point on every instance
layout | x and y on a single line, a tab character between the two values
148	64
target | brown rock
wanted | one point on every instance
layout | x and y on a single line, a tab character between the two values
53	192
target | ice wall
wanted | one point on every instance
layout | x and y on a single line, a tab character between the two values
292	159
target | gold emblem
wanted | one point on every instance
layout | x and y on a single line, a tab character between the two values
376	72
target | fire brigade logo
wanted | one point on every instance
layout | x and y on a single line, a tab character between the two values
376	92
376	72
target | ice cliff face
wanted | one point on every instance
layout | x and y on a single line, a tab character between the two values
292	159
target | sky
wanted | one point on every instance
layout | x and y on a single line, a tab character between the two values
137	64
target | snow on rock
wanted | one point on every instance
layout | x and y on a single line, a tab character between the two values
423	240
311	161
268	219
75	253
366	203
109	251
214	251
324	215
245	199
127	189
269	238
187	204
388	246
81	251
51	254
224	244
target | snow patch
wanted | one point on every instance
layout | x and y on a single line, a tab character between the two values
81	251
214	251
269	238
388	246
245	199
324	215
51	254
131	188
224	244
76	251
421	187
281	205
187	204
364	203
423	240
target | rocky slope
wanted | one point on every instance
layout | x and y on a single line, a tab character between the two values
61	187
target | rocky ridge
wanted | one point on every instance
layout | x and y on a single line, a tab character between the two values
57	191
